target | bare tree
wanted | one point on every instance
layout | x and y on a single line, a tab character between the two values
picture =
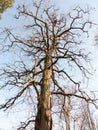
66	112
83	119
53	46
79	115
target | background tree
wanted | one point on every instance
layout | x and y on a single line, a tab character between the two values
4	4
82	119
50	52
87	120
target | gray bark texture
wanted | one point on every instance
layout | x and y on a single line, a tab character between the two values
44	118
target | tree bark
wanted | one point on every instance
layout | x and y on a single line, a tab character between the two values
44	117
67	116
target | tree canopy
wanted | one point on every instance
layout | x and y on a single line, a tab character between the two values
4	4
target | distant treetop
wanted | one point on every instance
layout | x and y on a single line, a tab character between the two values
4	4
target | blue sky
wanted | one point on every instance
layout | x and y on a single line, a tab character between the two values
6	122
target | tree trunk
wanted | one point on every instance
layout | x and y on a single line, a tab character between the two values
44	117
67	117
